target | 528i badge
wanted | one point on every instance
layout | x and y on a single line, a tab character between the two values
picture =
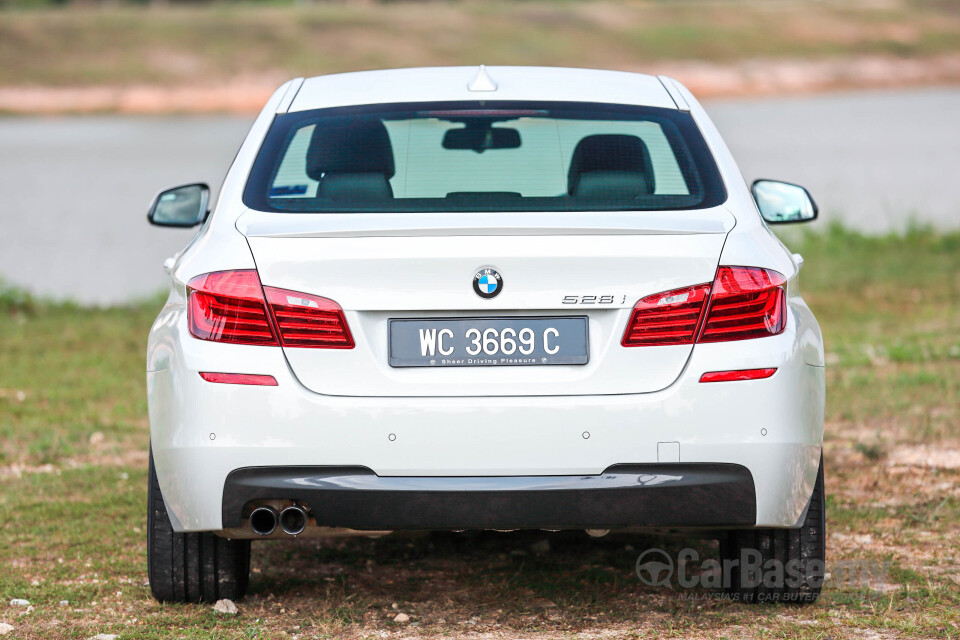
603	299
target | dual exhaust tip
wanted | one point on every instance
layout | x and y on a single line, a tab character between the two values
265	520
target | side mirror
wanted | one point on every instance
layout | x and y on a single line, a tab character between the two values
781	202
184	206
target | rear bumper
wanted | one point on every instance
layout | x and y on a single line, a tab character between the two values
623	496
201	433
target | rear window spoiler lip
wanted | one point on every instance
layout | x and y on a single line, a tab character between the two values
252	223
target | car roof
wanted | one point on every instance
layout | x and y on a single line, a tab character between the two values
438	84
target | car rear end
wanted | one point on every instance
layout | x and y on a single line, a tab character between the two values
561	315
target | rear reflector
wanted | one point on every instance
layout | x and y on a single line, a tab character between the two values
229	306
742	303
742	374
239	378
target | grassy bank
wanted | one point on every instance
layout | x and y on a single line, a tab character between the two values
73	436
184	44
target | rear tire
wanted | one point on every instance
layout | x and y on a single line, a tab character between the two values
191	567
800	553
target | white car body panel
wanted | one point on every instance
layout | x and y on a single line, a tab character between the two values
341	407
433	286
450	83
258	224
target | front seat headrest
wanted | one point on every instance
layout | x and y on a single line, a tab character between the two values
610	165
349	145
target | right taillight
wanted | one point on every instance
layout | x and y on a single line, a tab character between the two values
745	302
671	317
742	303
232	306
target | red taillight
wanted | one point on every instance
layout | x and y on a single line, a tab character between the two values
742	302
741	374
308	321
671	317
746	302
239	378
229	306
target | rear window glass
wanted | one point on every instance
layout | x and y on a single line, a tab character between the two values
483	156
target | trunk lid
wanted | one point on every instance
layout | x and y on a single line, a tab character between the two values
380	267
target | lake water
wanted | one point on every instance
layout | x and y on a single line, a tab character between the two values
74	190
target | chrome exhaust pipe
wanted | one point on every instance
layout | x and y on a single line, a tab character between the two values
263	521
293	520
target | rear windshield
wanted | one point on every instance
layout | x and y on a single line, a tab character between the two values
483	156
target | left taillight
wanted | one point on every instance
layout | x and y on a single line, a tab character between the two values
308	321
232	306
228	306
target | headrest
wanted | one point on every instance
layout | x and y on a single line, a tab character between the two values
362	187
349	145
610	152
612	185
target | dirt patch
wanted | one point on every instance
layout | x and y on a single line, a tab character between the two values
779	77
925	456
19	470
127	458
761	77
241	97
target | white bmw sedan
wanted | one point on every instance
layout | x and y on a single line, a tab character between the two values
501	298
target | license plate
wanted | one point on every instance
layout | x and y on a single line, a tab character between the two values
488	342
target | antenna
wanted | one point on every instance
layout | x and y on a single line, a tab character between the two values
482	81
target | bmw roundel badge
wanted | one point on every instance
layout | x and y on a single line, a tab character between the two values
487	283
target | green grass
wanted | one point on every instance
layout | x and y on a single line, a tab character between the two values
73	381
890	312
223	41
73	437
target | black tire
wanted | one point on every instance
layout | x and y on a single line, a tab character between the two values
800	553
191	567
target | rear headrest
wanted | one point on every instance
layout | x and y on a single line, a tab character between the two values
349	145
610	153
612	185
